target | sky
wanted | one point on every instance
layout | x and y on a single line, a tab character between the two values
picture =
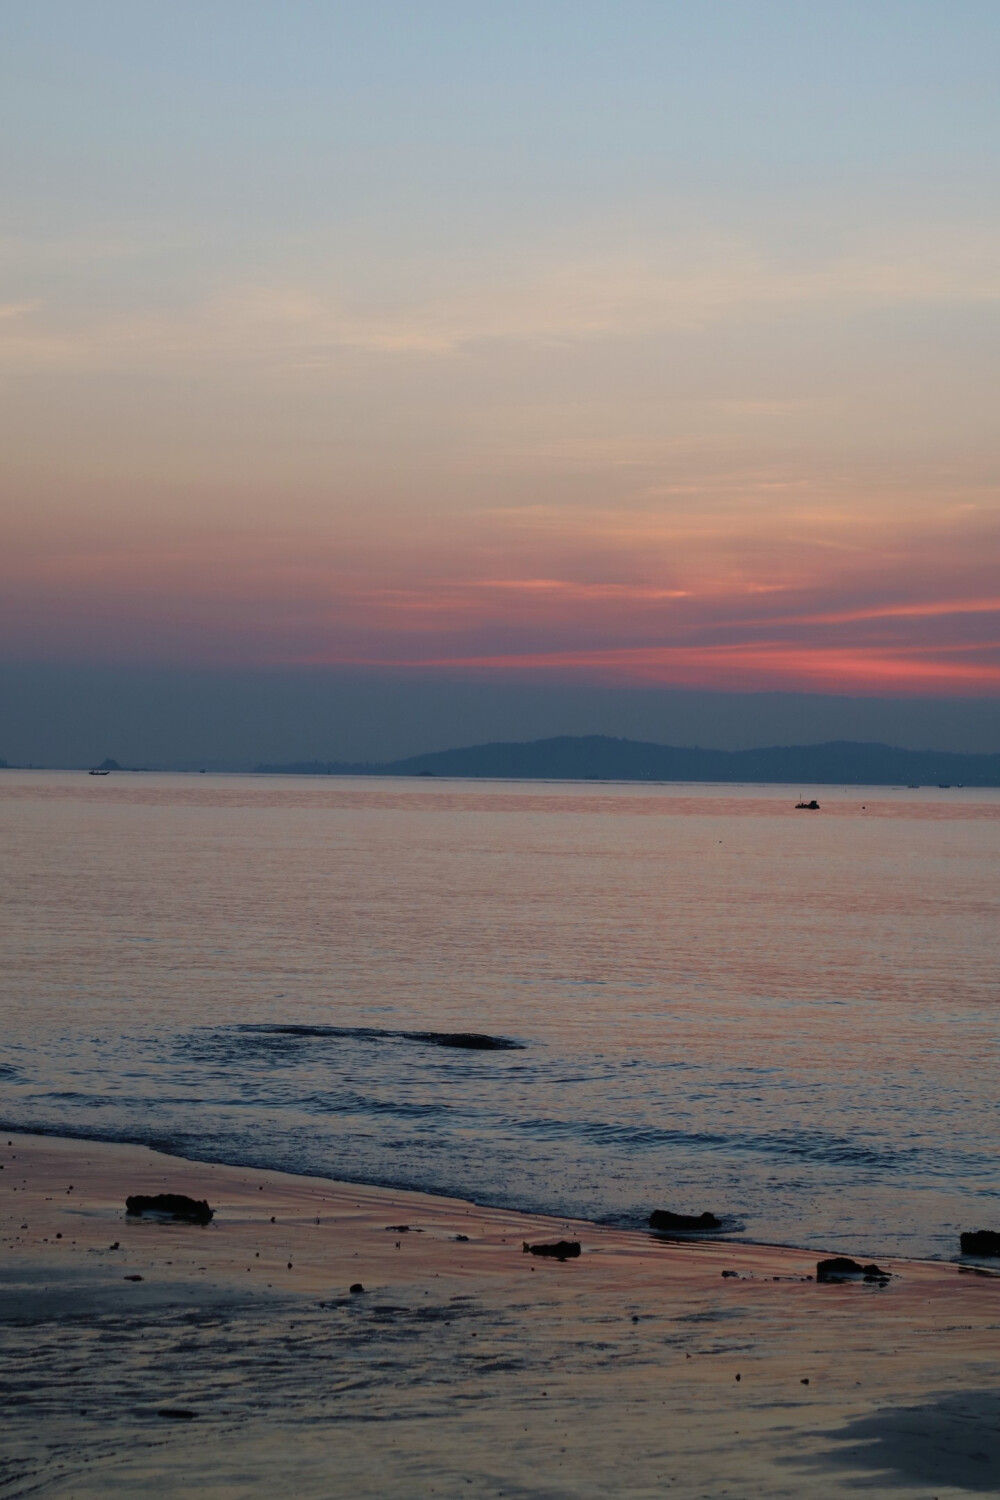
540	349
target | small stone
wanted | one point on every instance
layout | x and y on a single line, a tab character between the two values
559	1250
356	1287
843	1268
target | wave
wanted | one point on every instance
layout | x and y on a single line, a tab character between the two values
814	1146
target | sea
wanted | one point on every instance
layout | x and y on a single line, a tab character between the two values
588	999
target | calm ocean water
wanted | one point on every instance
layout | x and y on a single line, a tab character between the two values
789	1018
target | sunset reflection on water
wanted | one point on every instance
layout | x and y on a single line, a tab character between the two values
787	1016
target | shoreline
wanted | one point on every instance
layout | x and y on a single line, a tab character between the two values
733	1238
235	1360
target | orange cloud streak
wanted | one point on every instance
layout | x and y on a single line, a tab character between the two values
756	667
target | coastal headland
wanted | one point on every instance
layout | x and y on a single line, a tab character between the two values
234	1359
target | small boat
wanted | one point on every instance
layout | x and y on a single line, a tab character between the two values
812	806
98	772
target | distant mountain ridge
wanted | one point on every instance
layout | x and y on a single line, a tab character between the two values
601	758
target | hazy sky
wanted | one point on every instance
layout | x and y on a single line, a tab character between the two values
623	344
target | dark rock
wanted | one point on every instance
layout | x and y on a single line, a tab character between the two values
843	1268
727	1274
170	1206
837	1265
356	1287
472	1041
662	1218
560	1250
980	1242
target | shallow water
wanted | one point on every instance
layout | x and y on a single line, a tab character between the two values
789	1018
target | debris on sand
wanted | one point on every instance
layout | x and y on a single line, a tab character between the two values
843	1268
559	1250
176	1206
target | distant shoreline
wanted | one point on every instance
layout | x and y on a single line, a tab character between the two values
602	758
597	758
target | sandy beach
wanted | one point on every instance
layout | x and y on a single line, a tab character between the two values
232	1360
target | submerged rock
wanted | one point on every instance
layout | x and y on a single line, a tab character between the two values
170	1206
843	1268
662	1218
559	1250
474	1041
980	1242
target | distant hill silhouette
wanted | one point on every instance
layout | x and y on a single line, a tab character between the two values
599	757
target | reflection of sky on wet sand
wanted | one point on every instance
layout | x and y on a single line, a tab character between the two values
635	1369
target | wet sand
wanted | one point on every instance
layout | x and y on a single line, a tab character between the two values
167	1360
